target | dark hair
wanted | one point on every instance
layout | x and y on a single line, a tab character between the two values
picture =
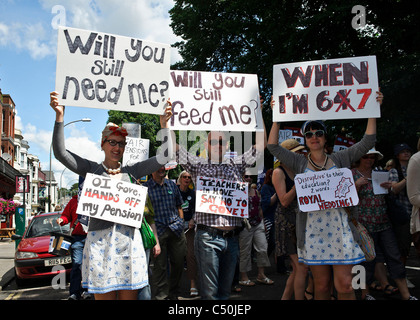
314	126
268	176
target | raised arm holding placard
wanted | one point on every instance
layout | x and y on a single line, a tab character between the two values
324	236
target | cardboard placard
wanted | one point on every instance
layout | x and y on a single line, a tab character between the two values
112	200
320	190
106	71
326	89
220	196
215	101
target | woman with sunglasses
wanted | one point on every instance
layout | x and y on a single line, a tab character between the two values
114	261
372	214
324	237
185	186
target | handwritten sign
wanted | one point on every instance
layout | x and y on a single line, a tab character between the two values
112	200
326	89
215	101
323	190
342	143
224	197
106	71
136	150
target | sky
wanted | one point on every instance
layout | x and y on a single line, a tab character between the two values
28	45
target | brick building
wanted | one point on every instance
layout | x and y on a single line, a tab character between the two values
7	155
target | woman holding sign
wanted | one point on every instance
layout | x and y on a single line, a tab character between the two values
114	262
324	237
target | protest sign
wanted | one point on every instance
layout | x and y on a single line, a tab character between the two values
136	150
215	101
326	89
320	190
112	200
291	133
342	143
101	70
224	197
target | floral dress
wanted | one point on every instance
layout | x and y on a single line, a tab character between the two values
329	239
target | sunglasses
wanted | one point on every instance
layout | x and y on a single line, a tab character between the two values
310	134
217	142
113	143
186	177
372	157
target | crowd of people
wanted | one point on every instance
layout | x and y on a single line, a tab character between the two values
218	251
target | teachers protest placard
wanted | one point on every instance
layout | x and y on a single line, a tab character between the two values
215	101
326	89
219	196
112	200
320	190
106	71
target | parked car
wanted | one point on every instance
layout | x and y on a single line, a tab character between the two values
32	259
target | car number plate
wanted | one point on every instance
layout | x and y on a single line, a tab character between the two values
57	261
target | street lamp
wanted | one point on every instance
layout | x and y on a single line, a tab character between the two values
49	189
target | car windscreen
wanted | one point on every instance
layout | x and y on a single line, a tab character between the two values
42	226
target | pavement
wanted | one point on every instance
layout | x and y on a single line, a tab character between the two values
7	254
258	292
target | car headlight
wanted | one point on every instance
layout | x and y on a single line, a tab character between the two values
26	255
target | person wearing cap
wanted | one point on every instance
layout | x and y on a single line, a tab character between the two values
114	261
285	223
398	177
324	237
371	212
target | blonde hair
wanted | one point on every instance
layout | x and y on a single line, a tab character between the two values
178	181
112	128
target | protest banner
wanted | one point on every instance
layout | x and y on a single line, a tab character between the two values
326	89
106	71
220	196
215	101
320	190
136	150
342	143
112	200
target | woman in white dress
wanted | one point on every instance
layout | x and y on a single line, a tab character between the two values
324	237
114	261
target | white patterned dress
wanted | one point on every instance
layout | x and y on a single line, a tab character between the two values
329	240
114	259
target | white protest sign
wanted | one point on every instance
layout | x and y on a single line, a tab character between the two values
101	70
379	177
136	150
224	197
320	190
326	89
112	200
215	101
